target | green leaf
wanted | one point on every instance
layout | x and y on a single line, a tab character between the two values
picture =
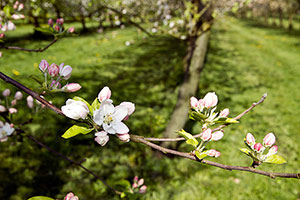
225	120
124	183
189	138
246	151
40	198
84	101
7	10
44	30
75	130
123	195
200	155
96	104
37	79
275	159
197	116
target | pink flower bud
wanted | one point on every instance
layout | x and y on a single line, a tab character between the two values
16	5
217	136
50	22
43	65
136	179
258	146
134	185
213	153
269	140
71	29
70	196
65	71
143	189
60	21
2	35
55	84
57	28
30	102
6	92
18	95
224	113
105	93
141	182
72	87
210	100
124	137
194	102
2	109
250	139
273	150
12	110
101	138
53	70
13	102
21	6
206	135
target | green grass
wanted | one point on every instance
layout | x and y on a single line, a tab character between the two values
244	61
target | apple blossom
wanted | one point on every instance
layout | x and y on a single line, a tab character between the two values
194	102
210	100
50	22
213	153
136	179
206	135
11	26
53	70
124	137
101	138
250	139
2	35
18	95
217	136
258	147
71	196
269	140
71	29
273	150
13	102
2	108
72	87
12	110
55	84
134	185
6	129
65	71
30	102
110	117
60	21
224	113
21	6
6	92
104	94
75	109
43	65
130	108
57	28
141	182
143	189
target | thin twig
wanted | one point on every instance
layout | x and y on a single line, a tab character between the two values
216	129
136	138
72	161
30	50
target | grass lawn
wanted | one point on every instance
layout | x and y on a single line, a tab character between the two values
244	61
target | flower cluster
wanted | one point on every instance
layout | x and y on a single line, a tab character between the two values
8	105
59	26
57	75
257	150
102	114
71	196
6	130
138	186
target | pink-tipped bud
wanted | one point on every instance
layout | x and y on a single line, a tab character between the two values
105	93
136	179
213	153
12	110
55	84
206	135
2	109
141	182
16	5
210	100
273	150
101	138
72	87
217	136
57	28
258	146
60	21
65	71
269	140
13	102
194	102
2	35
30	103
21	6
43	65
53	70
50	22
224	113
124	137
6	92
134	185
18	95
71	29
250	139
143	189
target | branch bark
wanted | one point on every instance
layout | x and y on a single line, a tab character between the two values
29	50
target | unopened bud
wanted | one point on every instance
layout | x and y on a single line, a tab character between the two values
71	87
13	102
43	65
2	109
6	92
2	35
71	29
258	146
269	140
210	100
250	139
105	93
50	22
124	137
18	95
53	70
12	110
30	102
143	189
206	135
224	113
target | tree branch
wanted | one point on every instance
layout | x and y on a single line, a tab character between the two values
216	129
29	50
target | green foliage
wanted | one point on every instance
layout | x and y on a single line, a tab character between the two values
189	138
40	198
275	159
75	130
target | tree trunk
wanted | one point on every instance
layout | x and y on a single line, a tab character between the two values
83	23
291	21
280	17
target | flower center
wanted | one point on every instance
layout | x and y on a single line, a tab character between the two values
107	119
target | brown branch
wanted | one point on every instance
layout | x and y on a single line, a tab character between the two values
29	50
30	92
72	161
139	139
216	129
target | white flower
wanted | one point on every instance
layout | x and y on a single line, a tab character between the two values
5	130
75	109
110	117
101	138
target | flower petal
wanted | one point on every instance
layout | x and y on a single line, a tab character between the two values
121	128
120	113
